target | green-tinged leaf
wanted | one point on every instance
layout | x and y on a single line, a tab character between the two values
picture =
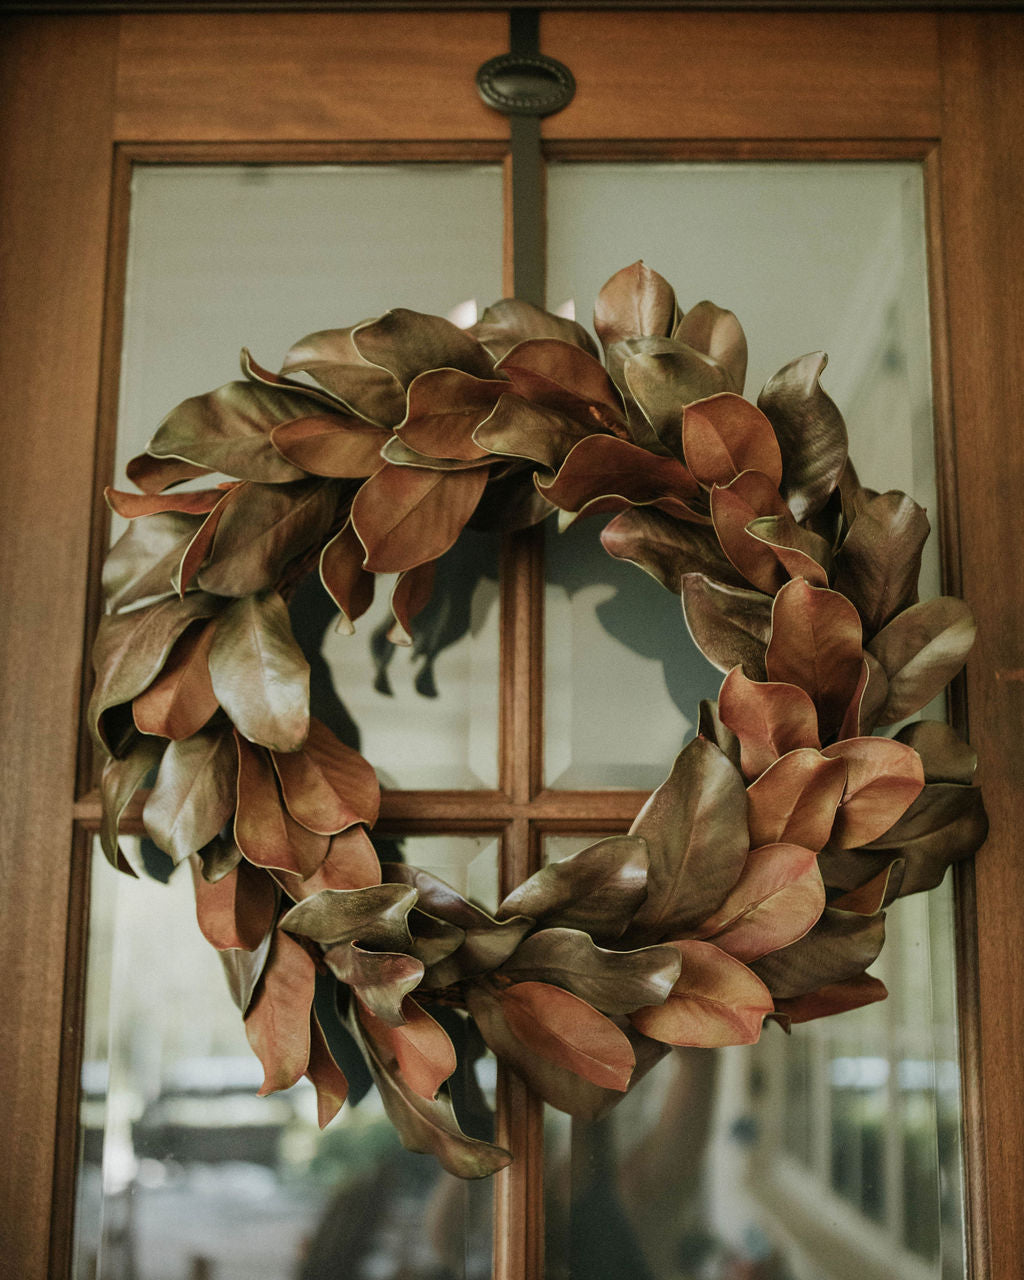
277	1024
445	408
778	897
181	699
716	1001
768	718
420	1046
405	517
946	757
374	916
426	1125
563	377
330	358
154	475
634	303
243	970
614	982
259	673
518	429
197	550
263	530
265	831
725	435
381	979
945	823
810	431
194	794
399	453
801	552
838	997
795	799
194	502
238	910
662	376
730	626
841	945
118	783
409	597
142	563
331	445
878	565
734	508
505	324
883	779
569	1032
228	430
327	786
719	335
433	940
666	548
597	889
407	343
921	650
710	726
345	580
601	466
695	826
816	644
351	863
219	857
325	1075
256	373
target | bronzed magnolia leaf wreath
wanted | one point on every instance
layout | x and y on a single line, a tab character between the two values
753	882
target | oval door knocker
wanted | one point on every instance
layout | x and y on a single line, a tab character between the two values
525	84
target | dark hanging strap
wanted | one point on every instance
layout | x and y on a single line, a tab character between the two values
525	86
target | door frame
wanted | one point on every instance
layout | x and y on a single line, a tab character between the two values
945	85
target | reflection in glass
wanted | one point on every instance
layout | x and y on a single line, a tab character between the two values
187	1173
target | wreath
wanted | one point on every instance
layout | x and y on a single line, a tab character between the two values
752	884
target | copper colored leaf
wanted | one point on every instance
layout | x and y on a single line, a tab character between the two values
724	435
838	997
518	429
729	625
351	863
776	900
421	1047
561	376
381	979
718	334
768	718
325	1075
569	1032
445	408
118	783
374	916
921	650
945	823
197	550
816	644
243	970
331	445
181	699
716	1001
195	502
635	302
666	548
401	454
264	830
345	580
734	508
330	358
256	373
405	517
505	324
410	596
946	757
327	786
597	889
602	465
194	793
277	1024
154	475
237	911
614	982
878	564
662	376
868	699
407	343
810	431
143	562
883	778
795	799
695	826
841	945
878	892
801	552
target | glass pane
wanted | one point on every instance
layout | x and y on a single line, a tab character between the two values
470	864
187	1173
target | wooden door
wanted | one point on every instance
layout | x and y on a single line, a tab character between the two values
84	95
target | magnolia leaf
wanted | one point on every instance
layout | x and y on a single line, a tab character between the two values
730	626
734	508
816	645
662	376
374	916
509	503
445	409
869	696
725	435
277	1024
243	970
597	889
345	580
838	997
695	826
946	757
195	502
505	324
710	726
810	431
921	650
238	910
601	465
256	373
409	597
219	857
778	897
801	552
433	940
350	863
719	335
381	979
883	779
194	793
403	455
325	1075
426	1125
327	786
142	563
841	945
945	823
228	430
795	799
197	551
615	982
878	565
419	1045
878	892
330	358
266	833
407	343
154	475
259	673
635	302
263	530
768	718
405	517
561	376
666	548
435	896
518	429
118	783
181	699
716	1001
331	445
